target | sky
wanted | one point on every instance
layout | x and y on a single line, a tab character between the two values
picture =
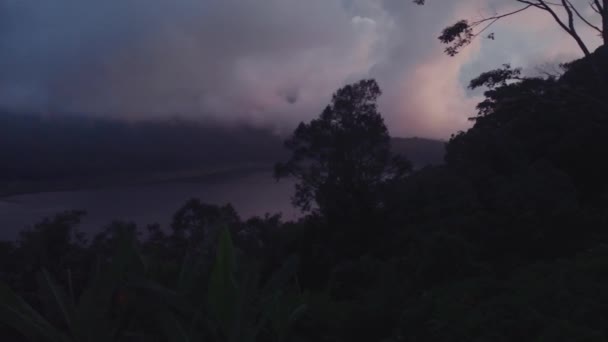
267	62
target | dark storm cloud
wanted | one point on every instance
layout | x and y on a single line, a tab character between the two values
269	61
155	56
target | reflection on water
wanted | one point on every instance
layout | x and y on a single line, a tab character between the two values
255	194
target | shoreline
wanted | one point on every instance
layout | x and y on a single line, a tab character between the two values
218	174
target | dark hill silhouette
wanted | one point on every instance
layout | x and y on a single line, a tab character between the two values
75	150
420	151
34	147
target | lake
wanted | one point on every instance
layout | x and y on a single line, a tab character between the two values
252	194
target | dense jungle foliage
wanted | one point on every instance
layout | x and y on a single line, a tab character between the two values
506	241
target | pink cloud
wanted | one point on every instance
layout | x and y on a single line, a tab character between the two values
429	98
432	101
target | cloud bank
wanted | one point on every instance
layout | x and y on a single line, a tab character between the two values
269	62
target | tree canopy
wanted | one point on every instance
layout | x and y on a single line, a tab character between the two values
342	159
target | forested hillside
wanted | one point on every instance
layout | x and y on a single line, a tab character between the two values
505	241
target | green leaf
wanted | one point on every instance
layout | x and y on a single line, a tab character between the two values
249	323
284	309
127	262
162	296
190	271
281	277
186	273
16	313
223	292
173	328
55	298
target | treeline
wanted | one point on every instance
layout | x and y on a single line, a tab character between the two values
506	241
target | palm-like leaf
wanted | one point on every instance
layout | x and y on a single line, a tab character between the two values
88	321
17	314
223	292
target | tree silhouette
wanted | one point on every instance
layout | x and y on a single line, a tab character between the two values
568	16
343	158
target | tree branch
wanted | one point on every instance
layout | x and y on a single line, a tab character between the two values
581	17
596	6
570	15
570	31
497	17
462	33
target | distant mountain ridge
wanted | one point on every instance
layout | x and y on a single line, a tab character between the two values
420	151
81	150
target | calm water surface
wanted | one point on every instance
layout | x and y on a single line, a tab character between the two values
254	194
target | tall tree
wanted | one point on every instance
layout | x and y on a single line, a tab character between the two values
568	16
343	158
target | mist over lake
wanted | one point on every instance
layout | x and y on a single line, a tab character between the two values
145	171
255	193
